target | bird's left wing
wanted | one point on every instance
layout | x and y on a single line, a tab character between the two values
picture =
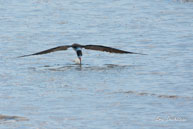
59	48
107	49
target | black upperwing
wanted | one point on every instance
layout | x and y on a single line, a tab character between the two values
108	49
59	48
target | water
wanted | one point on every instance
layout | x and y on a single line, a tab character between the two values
109	90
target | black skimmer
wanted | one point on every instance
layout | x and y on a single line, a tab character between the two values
78	49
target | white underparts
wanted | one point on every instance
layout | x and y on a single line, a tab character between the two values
77	61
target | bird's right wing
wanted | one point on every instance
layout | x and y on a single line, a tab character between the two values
108	49
59	48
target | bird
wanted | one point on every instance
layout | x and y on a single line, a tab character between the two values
78	49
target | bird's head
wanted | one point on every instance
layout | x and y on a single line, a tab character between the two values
76	45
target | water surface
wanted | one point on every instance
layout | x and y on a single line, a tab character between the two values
109	90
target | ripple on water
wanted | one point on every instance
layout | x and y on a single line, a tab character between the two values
5	118
156	95
84	67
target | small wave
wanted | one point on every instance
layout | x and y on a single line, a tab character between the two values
186	0
156	95
5	118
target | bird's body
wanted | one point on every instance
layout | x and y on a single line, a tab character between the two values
78	49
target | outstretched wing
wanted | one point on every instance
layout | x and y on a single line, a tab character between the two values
107	49
59	48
